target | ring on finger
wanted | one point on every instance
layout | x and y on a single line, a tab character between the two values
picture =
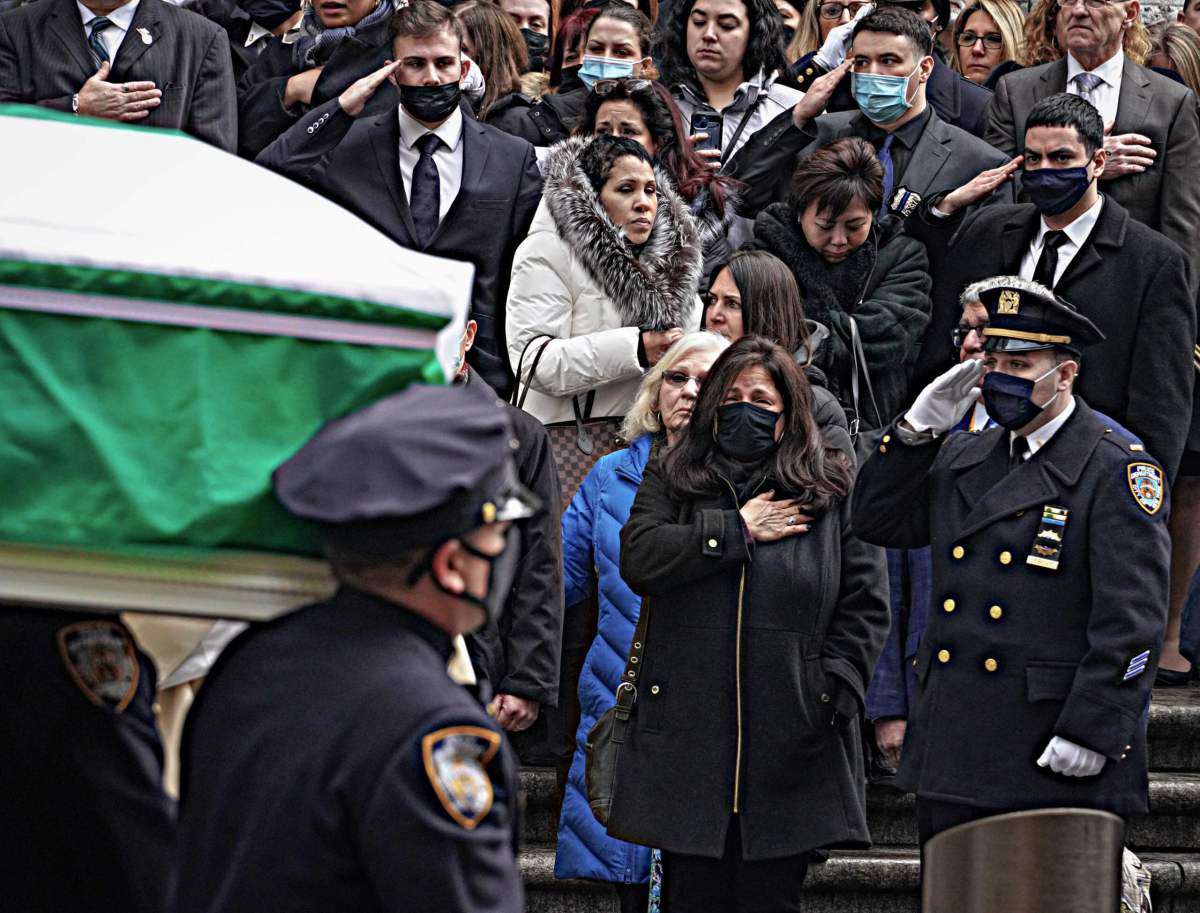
791	521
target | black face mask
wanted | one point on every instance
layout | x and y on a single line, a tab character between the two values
538	46
746	432
1008	399
431	103
270	14
569	81
500	577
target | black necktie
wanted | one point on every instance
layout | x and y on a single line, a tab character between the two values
1047	264
426	190
1020	447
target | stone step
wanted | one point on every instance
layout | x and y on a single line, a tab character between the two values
1173	823
872	881
1174	733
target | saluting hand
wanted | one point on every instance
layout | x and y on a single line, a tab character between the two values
979	187
940	405
769	520
125	101
816	99
354	99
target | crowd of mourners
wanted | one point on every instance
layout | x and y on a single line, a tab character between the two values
724	252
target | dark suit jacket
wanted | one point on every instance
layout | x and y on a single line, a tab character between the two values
236	24
944	158
1167	196
44	60
1134	284
261	114
958	101
355	162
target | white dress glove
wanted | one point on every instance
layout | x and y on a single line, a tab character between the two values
1071	760
947	398
833	51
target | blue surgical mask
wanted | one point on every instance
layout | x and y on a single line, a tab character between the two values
1008	399
596	68
1055	190
882	99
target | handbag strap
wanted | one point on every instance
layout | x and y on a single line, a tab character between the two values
737	134
627	690
583	440
859	365
517	397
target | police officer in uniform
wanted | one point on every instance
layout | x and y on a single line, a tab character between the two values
1050	564
329	763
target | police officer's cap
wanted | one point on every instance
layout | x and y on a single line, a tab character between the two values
1024	316
412	470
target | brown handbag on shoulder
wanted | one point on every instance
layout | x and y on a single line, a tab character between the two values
576	445
602	750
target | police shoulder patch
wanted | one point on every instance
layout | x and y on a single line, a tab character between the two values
101	660
1146	483
456	761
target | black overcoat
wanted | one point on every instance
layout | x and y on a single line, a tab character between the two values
749	650
1015	653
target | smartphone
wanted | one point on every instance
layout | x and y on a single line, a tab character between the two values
710	124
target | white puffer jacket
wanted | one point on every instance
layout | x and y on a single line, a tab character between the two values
575	278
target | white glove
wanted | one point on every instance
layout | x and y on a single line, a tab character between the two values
833	51
1071	760
947	398
473	85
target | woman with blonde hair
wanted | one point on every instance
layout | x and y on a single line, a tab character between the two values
1176	48
987	34
495	43
591	529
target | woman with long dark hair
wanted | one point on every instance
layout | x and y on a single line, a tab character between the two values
764	619
858	274
493	41
722	59
644	111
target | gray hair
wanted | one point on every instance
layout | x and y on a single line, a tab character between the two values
972	292
641	417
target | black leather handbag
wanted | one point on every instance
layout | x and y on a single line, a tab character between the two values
602	750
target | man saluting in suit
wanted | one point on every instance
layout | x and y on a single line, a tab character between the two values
1133	283
141	61
427	177
1153	144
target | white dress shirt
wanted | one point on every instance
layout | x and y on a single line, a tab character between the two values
448	157
1106	95
1042	436
256	34
111	37
1077	233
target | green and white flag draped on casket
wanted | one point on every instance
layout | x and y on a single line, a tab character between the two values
174	323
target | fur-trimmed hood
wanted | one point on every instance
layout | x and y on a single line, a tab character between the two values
653	290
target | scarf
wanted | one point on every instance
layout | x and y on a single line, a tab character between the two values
316	43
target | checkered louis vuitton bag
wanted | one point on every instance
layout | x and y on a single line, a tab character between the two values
578	444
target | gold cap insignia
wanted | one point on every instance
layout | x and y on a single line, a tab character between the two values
1010	302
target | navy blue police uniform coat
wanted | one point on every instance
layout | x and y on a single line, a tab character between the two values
1016	652
330	764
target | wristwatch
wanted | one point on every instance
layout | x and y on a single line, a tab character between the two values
75	103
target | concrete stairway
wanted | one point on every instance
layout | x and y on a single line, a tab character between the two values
884	879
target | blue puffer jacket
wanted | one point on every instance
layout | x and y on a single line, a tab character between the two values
591	530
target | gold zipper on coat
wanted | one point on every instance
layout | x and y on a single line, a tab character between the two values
737	662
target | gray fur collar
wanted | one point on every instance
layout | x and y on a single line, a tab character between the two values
653	291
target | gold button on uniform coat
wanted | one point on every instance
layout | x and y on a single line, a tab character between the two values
959	552
1006	557
943	656
996	612
948	605
990	664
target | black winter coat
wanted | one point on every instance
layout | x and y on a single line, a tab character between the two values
262	116
749	650
541	122
1018	650
884	286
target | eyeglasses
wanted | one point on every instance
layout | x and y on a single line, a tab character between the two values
963	330
680	379
993	41
606	87
1090	4
835	10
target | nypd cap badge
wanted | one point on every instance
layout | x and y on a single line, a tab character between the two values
101	660
1146	483
456	761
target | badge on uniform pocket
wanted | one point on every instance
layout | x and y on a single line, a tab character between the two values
1048	543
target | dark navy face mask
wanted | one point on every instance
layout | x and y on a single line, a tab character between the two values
1008	399
746	432
1055	190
